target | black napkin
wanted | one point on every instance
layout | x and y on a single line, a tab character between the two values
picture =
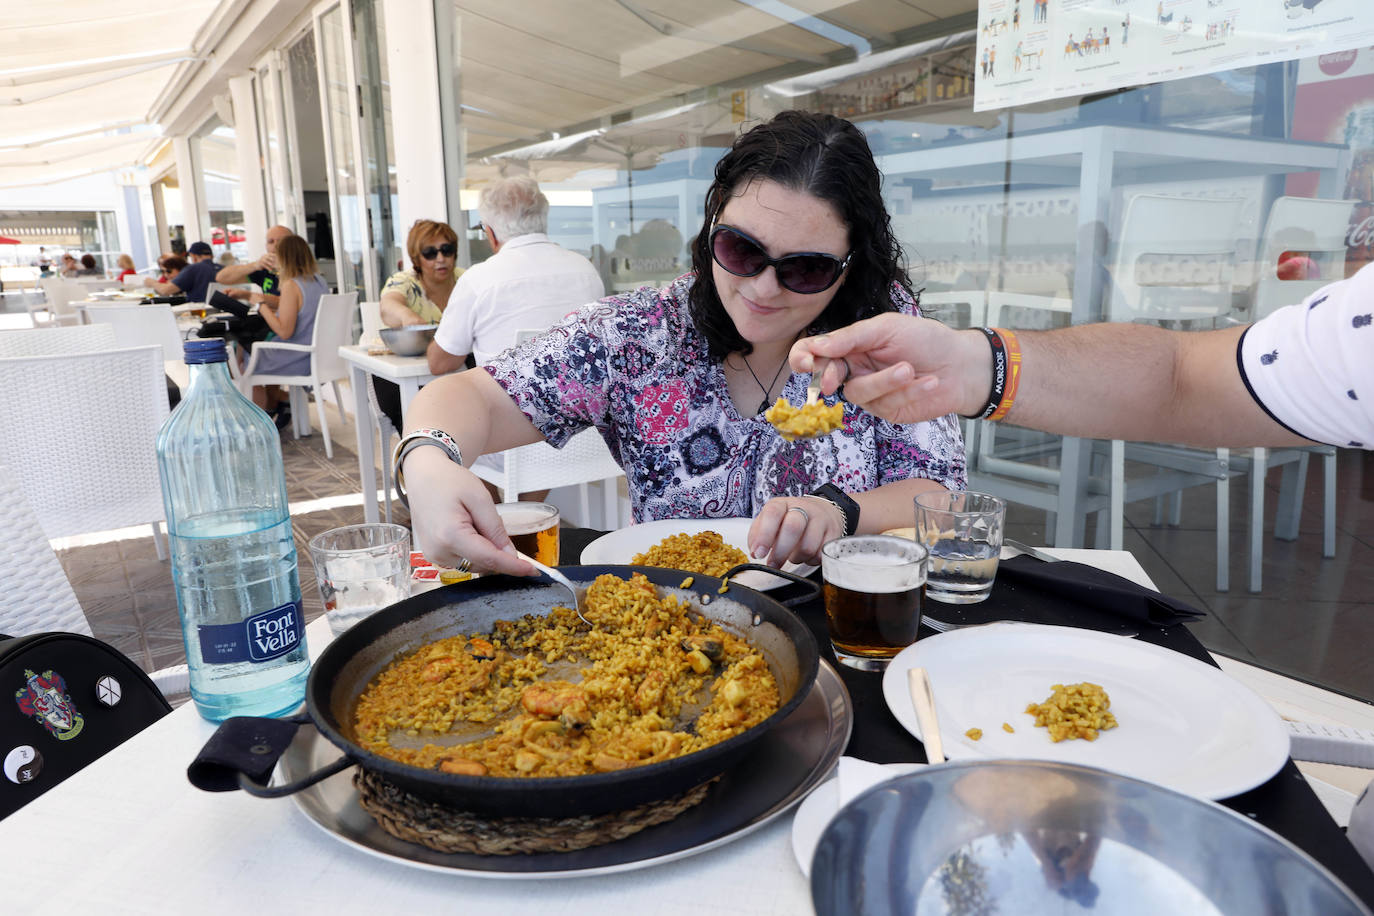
1067	594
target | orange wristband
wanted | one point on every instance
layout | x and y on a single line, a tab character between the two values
1013	373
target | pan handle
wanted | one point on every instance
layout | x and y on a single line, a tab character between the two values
244	750
813	591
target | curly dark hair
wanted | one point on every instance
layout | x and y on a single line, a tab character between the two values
828	158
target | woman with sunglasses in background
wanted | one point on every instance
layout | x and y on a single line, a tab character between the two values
796	241
418	296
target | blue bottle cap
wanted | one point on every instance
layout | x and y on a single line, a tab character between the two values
208	350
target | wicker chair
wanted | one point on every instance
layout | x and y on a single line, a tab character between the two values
80	438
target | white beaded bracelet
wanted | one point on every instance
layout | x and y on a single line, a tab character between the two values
412	441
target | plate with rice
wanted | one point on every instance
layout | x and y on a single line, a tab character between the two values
623	547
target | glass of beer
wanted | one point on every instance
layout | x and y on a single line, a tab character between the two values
963	532
874	584
533	529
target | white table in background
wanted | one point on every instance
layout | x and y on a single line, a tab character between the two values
408	373
130	834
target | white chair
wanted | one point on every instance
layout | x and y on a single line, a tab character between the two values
139	325
39	597
80	338
1316	228
80	434
582	460
1174	264
1174	259
60	293
333	318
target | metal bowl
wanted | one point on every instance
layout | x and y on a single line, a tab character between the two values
1032	837
411	340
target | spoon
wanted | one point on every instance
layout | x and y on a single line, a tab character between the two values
923	698
813	390
561	579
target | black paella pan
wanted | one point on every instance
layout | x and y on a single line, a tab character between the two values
350	662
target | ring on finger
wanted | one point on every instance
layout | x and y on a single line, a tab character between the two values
802	511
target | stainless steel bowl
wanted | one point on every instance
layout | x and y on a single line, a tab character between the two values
411	340
1031	837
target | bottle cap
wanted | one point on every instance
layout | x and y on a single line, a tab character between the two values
207	350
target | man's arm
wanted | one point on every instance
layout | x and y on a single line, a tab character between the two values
236	273
1106	381
1127	381
163	289
442	362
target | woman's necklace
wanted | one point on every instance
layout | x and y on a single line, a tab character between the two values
764	405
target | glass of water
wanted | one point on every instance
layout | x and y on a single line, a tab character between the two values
963	532
360	570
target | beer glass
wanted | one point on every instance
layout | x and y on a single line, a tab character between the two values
873	590
963	532
533	529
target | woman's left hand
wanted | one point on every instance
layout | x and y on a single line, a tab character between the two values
792	529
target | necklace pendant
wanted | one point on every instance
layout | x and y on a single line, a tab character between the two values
763	405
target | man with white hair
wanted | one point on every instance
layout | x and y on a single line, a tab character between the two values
528	284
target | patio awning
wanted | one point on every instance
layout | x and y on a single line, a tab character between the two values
79	82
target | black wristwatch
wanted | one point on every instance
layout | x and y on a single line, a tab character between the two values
842	501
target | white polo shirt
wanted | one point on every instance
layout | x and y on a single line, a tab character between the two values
1311	365
529	284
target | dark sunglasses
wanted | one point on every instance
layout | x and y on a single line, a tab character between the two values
448	250
805	272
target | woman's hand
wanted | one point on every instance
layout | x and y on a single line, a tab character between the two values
793	528
454	518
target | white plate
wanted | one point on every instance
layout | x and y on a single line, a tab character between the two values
816	812
618	548
1182	724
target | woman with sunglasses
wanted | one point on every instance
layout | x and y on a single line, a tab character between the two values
418	296
796	241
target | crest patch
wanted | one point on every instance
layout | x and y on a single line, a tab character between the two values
47	700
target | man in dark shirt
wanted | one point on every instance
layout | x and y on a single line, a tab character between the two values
260	272
195	279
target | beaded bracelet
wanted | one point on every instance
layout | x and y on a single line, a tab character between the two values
412	441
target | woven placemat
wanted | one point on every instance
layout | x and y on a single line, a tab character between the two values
418	820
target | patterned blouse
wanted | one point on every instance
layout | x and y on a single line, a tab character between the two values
635	367
408	285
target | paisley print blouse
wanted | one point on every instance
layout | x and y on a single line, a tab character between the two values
634	366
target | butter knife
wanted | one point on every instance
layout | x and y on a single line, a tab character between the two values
923	698
1029	551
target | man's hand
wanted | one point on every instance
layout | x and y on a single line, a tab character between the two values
901	368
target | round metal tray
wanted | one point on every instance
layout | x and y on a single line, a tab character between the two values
793	758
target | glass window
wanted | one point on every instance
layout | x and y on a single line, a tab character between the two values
215	150
386	239
345	184
1157	203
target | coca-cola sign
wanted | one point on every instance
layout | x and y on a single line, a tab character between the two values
1361	233
1336	64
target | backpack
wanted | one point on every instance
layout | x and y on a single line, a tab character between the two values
65	700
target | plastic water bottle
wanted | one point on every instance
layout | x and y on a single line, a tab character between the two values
233	556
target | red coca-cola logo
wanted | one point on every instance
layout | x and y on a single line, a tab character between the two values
1336	64
1361	234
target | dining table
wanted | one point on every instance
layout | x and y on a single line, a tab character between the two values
129	833
408	373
